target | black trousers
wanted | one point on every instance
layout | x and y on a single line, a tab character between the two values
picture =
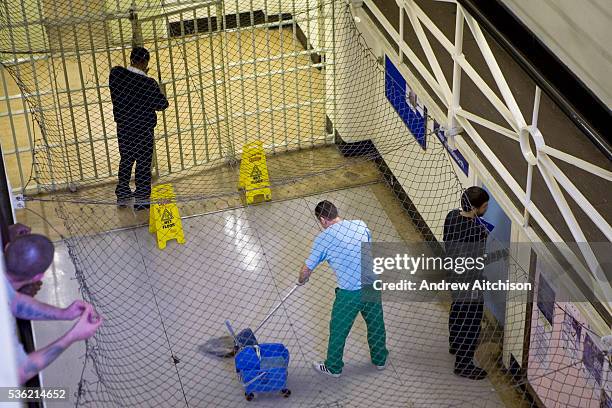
135	146
464	330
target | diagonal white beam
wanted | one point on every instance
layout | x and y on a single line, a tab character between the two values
492	158
432	28
534	211
414	60
514	214
431	57
480	83
576	231
488	93
516	188
508	108
603	293
488	124
582	164
580	199
498	76
431	81
510	111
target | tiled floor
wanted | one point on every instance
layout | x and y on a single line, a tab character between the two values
319	169
236	264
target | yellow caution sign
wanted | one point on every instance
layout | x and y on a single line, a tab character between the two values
164	217
254	177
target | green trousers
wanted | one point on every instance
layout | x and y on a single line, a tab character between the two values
347	305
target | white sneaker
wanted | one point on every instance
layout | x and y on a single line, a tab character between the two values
319	366
382	367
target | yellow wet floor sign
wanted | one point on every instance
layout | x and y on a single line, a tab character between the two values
254	177
164	217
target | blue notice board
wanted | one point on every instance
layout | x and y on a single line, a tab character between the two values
397	92
455	154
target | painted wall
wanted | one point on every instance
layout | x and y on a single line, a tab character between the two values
363	112
578	32
15	14
516	302
560	341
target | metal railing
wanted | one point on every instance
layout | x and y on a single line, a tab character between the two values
462	123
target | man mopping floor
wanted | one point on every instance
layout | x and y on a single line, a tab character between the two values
340	245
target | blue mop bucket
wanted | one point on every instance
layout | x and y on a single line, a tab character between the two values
263	369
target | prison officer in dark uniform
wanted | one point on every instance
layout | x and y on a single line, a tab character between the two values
466	237
136	98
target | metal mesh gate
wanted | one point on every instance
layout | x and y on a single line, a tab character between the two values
233	72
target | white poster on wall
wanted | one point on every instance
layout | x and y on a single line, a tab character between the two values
541	340
593	359
571	332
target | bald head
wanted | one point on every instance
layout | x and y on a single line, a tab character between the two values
28	256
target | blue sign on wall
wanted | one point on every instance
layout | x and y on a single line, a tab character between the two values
455	154
395	91
486	224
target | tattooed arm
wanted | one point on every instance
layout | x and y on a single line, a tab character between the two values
83	329
39	359
28	308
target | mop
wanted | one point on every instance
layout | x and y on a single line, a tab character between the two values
227	346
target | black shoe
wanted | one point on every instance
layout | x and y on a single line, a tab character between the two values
472	372
123	202
140	207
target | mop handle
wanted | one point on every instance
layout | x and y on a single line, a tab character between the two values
275	309
230	329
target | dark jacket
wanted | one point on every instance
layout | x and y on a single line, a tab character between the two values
135	98
464	237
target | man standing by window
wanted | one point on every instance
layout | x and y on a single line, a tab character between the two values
466	237
136	98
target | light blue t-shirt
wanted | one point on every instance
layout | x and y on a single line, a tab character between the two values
340	246
20	354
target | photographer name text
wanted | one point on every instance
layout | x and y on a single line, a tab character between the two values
477	285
